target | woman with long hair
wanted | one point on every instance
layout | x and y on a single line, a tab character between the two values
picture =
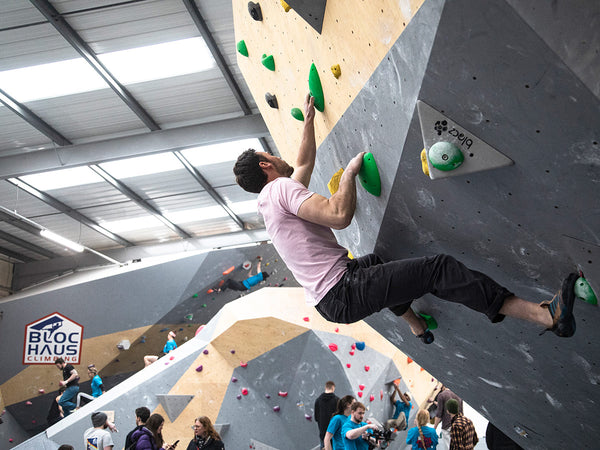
205	436
150	436
333	436
422	436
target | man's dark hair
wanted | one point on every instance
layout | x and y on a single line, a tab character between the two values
143	413
357	405
59	361
248	173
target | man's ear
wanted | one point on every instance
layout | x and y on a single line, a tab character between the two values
264	164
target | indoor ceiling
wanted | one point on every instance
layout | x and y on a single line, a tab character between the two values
119	124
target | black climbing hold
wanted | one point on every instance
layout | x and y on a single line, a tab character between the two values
271	100
255	11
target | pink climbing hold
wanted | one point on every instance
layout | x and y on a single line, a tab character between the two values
337	330
243	364
205	351
41	391
361	387
360	394
244	391
267	396
306	319
381	394
199	368
234	379
353	346
172	358
367	368
276	408
283	394
239	397
10	440
333	347
232	351
371	397
308	417
284	278
348	365
28	403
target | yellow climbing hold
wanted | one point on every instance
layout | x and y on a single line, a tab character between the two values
334	183
286	7
350	255
337	70
424	165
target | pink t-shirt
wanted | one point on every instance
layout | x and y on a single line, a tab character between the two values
309	250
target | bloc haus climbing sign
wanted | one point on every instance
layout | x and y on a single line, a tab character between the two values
52	337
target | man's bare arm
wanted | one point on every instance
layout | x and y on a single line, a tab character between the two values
336	211
305	161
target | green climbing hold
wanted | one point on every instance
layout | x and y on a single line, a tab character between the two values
445	156
316	89
584	291
268	62
297	114
242	49
369	175
189	316
195	296
430	321
204	305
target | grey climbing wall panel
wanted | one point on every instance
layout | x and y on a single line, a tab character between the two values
484	65
313	11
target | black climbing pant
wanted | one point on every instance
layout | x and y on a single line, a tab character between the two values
234	285
369	285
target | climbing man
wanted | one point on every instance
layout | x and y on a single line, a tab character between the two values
402	407
248	282
299	223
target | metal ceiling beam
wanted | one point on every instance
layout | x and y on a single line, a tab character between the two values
125	190
14	255
245	127
61	25
208	187
67	210
216	53
24	244
32	119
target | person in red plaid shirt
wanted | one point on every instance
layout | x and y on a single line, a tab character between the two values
462	432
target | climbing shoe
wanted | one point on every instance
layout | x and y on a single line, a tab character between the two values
426	337
561	308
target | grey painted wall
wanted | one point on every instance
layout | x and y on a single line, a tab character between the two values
528	95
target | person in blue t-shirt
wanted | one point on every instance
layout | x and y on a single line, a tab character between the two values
355	431
97	386
249	282
169	346
333	439
422	436
402	406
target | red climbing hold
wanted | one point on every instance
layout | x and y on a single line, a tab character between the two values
276	408
282	393
333	347
41	391
244	391
351	352
359	394
337	330
228	271
348	365
306	319
408	360
172	358
371	397
367	368
381	394
243	364
353	346
361	387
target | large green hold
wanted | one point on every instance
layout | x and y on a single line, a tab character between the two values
316	89
241	48
584	291
369	175
445	156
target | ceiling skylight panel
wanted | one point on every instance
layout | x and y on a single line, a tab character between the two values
218	153
63	178
142	165
159	61
133	224
51	80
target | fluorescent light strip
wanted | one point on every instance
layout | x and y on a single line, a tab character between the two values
62	241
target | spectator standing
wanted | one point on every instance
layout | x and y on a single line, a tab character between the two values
325	405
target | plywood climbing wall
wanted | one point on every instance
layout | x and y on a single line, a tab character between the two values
356	34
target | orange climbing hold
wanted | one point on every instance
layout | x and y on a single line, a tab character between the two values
228	271
408	360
